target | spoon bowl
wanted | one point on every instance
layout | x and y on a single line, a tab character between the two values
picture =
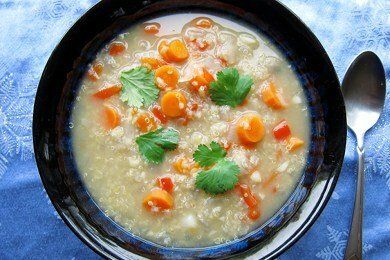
364	92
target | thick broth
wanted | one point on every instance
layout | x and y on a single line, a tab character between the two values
118	177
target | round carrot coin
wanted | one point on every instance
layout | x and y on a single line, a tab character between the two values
173	104
167	77
250	129
177	51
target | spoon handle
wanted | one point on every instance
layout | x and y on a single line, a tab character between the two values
354	246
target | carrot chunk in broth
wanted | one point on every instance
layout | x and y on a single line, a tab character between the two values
151	63
166	183
173	104
95	72
281	131
107	92
163	48
253	213
152	28
250	129
184	165
167	77
158	199
146	123
112	118
117	48
247	195
204	23
271	97
201	82
177	51
157	112
294	143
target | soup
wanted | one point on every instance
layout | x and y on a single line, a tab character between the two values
190	130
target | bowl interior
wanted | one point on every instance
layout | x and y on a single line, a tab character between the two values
52	134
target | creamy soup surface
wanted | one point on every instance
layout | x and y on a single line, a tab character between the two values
265	137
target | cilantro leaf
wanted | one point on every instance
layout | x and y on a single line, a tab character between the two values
230	88
154	144
138	87
208	156
219	179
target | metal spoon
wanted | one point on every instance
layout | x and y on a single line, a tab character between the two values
364	90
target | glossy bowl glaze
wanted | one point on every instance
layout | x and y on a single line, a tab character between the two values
58	88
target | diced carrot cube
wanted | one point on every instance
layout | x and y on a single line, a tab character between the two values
159	199
116	48
157	112
271	97
166	183
294	143
281	131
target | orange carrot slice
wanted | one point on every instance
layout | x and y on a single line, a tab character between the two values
116	48
163	48
166	183
146	123
107	92
201	82
250	129
205	23
112	118
95	72
173	104
253	213
177	51
294	143
152	28
159	199
151	63
167	77
157	112
271	97
208	76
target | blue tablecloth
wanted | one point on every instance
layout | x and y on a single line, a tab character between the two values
29	225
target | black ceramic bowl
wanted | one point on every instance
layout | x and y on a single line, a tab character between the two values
59	84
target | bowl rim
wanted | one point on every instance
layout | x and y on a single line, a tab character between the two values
92	243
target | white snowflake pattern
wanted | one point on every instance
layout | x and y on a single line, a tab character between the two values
338	241
15	122
377	161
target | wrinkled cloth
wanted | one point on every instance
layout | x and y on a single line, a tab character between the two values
30	228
